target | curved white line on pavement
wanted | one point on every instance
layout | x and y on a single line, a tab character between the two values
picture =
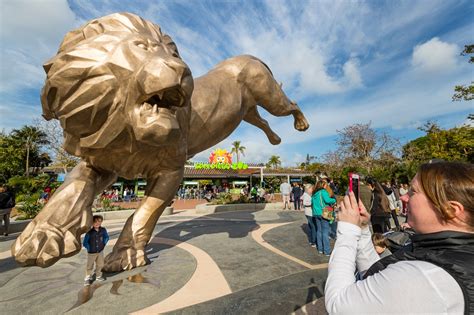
206	283
258	237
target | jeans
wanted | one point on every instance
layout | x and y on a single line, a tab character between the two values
333	230
322	235
312	230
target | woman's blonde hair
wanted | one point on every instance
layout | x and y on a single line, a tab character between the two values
321	184
443	182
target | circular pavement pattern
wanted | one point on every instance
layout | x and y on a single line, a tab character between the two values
225	263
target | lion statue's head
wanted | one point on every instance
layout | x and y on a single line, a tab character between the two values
118	75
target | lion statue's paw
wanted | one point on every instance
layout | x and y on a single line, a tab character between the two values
301	123
125	258
274	139
43	244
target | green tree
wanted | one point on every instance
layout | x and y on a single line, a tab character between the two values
31	138
455	144
11	157
274	161
237	149
307	163
465	92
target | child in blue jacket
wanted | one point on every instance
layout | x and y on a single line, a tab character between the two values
95	241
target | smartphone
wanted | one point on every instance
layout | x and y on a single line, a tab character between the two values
354	185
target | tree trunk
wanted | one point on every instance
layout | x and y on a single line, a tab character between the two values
237	156
27	160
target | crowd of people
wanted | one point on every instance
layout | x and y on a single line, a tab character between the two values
128	195
255	193
205	192
386	202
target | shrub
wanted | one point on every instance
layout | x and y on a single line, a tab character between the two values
29	207
222	199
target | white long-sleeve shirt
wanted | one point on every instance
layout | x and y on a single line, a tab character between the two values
307	205
405	287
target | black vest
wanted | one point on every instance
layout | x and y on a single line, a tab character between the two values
452	251
96	240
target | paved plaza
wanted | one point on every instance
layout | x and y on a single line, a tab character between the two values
238	262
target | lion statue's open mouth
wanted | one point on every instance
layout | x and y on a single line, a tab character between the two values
160	105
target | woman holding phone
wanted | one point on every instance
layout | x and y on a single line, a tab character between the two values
434	275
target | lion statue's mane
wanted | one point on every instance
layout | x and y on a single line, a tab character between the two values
82	88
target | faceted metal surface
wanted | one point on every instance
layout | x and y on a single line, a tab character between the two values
126	103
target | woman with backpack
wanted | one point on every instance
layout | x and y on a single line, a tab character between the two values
321	200
434	275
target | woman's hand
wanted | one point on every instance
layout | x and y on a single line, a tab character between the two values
352	212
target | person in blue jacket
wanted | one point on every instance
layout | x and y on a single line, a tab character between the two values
319	200
95	241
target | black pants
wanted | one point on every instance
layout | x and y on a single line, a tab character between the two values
6	223
395	219
296	202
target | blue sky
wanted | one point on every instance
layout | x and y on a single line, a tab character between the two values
392	63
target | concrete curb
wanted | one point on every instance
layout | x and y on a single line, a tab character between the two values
124	214
208	208
15	226
19	226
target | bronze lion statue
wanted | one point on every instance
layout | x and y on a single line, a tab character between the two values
130	107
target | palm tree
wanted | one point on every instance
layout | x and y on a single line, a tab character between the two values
274	161
307	163
30	137
237	148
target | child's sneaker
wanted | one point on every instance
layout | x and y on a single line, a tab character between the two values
100	278
87	281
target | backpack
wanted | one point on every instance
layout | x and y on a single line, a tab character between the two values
397	240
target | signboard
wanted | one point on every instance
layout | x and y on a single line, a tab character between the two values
222	160
236	182
191	183
295	180
61	177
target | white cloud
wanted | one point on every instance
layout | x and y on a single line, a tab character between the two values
30	33
435	56
352	73
346	62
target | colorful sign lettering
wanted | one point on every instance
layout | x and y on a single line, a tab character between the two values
222	160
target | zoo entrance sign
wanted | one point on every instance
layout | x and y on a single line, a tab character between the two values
222	160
